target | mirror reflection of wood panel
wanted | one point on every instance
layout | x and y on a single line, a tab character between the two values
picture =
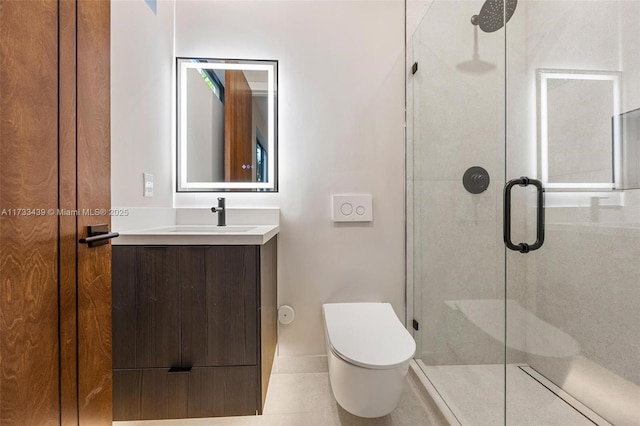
238	122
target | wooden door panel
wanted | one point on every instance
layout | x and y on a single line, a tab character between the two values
94	201
54	139
29	348
67	223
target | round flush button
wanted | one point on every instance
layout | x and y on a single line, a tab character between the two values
346	209
360	210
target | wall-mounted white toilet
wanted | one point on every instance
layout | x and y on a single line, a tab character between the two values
368	350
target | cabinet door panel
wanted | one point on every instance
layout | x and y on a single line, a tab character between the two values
223	391
124	282
146	302
149	394
194	303
219	324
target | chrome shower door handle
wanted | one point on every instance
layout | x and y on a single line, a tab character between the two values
523	247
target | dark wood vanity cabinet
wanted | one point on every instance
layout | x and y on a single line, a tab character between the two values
194	330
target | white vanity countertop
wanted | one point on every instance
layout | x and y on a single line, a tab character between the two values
199	235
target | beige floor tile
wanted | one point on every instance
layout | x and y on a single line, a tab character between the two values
298	393
305	399
301	364
414	409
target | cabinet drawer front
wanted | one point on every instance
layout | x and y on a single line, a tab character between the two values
150	394
220	309
223	391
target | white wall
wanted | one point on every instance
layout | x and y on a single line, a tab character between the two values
341	121
141	92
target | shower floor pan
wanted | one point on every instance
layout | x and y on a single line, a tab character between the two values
474	395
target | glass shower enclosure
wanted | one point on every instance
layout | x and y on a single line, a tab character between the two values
524	208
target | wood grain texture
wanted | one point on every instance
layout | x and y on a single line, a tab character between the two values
29	350
148	394
93	193
222	391
67	223
219	325
124	304
238	146
193	304
216	288
146	304
268	313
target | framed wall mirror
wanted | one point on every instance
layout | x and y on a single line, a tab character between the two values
226	125
578	143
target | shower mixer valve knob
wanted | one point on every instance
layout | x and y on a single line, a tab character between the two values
476	180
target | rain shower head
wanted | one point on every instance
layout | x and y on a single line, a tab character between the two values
494	14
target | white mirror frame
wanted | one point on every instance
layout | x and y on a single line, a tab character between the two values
183	183
544	75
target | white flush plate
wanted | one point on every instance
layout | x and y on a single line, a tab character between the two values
352	208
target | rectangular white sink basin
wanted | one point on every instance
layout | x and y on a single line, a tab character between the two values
211	229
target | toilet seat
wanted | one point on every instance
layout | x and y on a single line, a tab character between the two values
368	335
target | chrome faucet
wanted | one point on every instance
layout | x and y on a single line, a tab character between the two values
221	210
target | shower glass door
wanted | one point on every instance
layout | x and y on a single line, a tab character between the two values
550	336
456	127
573	123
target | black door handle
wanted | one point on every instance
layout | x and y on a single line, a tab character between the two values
523	247
98	235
